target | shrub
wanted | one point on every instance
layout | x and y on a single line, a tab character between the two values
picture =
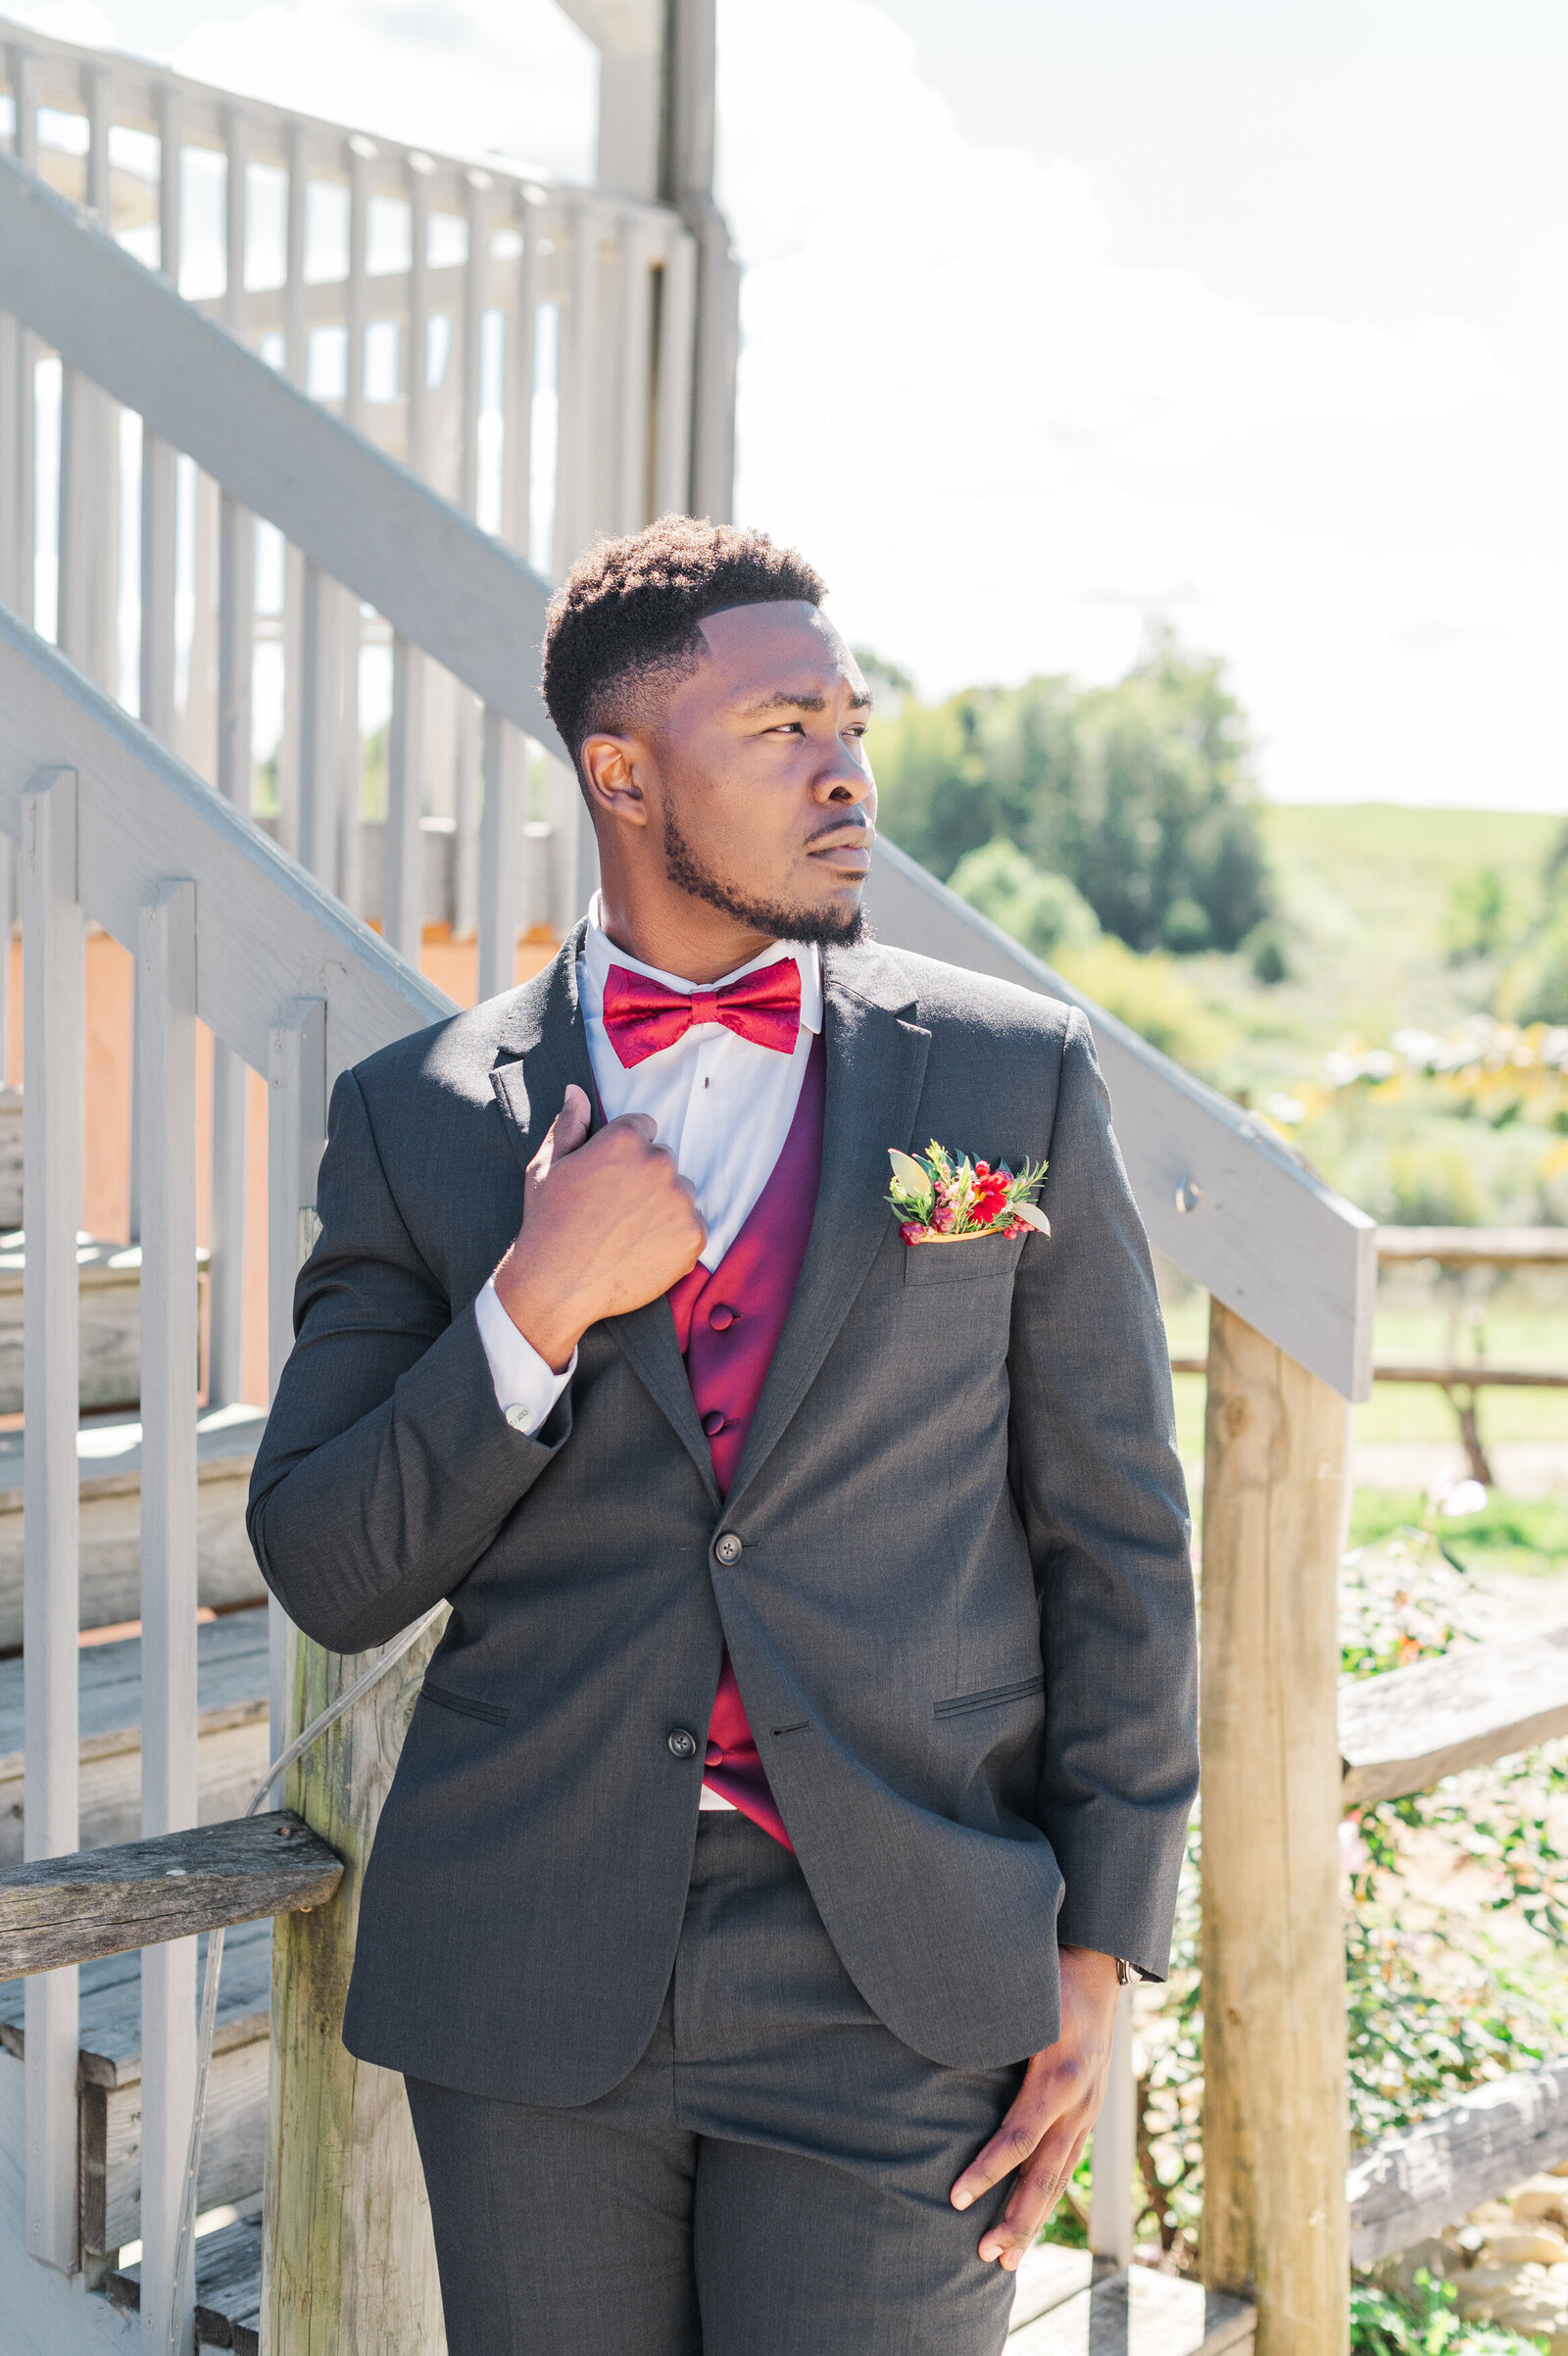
1041	910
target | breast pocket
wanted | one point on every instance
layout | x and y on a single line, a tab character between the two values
973	1261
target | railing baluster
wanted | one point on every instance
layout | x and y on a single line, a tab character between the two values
90	437
516	442
236	648
467	732
579	407
296	1132
51	1069
403	884
351	757
635	333
159	465
1114	2148
25	486
500	856
319	708
295	356
677	326
165	1081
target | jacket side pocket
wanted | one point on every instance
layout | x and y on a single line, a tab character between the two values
992	1697
462	1707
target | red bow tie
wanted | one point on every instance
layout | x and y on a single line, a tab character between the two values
642	1016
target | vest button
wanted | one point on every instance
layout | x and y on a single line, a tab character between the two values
727	1549
714	1422
682	1744
721	1316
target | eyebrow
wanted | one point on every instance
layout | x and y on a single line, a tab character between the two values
805	699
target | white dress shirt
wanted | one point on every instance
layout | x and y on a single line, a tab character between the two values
722	1106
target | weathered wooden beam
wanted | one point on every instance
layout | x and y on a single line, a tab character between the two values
103	1901
349	2258
1405	1729
1477	1247
1275	2126
1411	2184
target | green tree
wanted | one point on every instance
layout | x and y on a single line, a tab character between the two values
1043	912
1139	794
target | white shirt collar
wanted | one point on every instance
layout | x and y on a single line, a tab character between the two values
600	953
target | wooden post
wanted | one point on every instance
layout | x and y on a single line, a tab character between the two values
348	2257
1275	2137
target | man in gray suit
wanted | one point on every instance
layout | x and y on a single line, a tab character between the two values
812	1741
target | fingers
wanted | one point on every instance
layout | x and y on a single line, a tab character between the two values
572	1122
566	1132
1041	2184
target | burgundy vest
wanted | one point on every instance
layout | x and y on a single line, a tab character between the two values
727	1323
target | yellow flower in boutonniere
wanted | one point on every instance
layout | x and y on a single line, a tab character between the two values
937	1198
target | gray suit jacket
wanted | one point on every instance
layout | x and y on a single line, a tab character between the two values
961	1616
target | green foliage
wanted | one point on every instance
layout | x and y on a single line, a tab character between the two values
1508	1534
1536	989
1479	918
1427	2325
1043	912
1436	2002
1139	794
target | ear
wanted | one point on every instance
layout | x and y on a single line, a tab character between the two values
613	769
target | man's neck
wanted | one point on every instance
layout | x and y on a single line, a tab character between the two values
684	937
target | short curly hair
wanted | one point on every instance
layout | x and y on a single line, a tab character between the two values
630	613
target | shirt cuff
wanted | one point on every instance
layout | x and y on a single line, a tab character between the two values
526	1388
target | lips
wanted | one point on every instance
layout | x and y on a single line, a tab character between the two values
854	853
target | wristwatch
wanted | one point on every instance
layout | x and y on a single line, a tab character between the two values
1126	1972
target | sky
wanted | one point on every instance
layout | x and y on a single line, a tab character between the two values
1058	320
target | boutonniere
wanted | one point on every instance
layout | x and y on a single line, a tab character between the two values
939	1201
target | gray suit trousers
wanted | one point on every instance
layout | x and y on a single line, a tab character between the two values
770	2178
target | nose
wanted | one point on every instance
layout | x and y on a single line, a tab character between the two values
845	778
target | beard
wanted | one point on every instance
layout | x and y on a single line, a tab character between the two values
831	928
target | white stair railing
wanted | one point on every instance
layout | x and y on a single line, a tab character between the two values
227	931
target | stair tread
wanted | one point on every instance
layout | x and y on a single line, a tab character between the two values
109	1450
1139	2312
231	1682
109	2035
228	2285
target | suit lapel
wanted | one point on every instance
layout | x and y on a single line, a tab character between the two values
875	1065
543	1050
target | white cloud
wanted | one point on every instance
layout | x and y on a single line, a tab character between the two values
467	77
1005	440
1004	445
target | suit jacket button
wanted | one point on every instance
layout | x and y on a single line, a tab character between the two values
728	1549
682	1745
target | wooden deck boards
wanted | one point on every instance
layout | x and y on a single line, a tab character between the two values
1056	2313
109	1460
231	1697
235	2144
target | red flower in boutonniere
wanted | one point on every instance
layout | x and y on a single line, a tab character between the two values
937	1200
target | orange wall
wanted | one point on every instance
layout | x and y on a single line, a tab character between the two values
452	965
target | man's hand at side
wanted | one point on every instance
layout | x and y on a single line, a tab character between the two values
609	1224
1048	2123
